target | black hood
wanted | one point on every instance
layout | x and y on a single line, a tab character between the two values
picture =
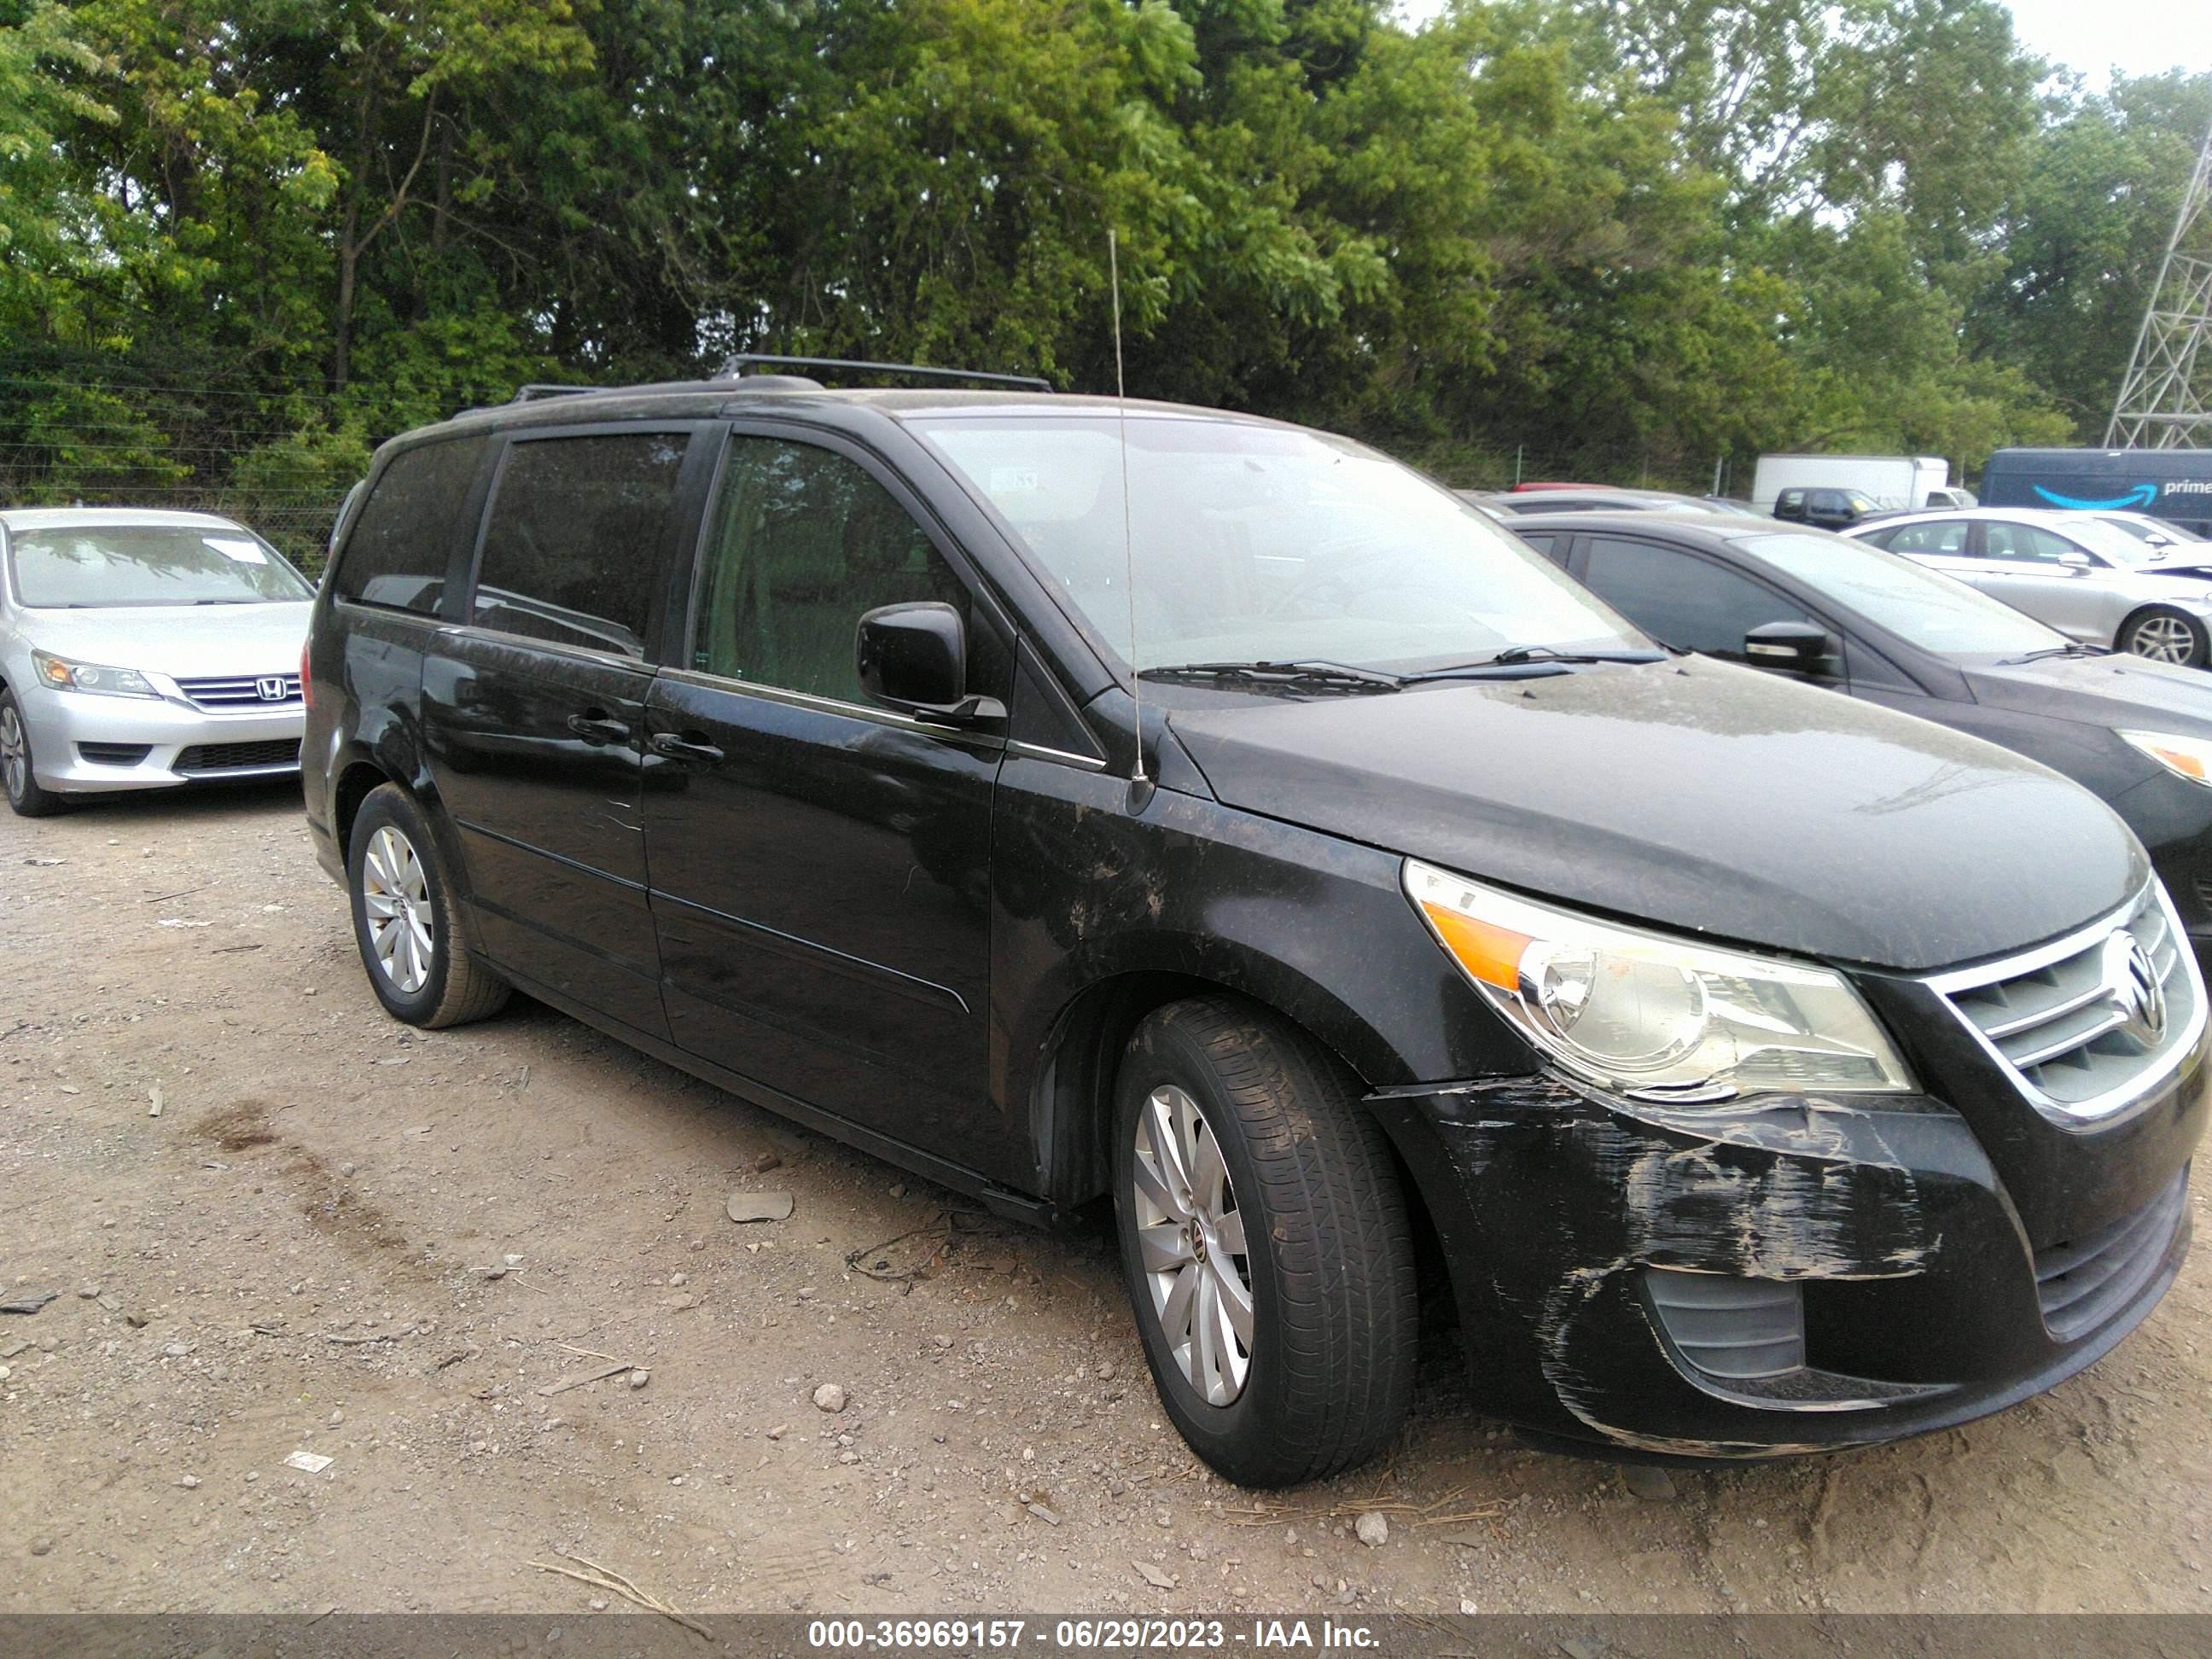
1703	797
2119	690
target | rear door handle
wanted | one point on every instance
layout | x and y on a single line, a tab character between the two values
598	727
681	748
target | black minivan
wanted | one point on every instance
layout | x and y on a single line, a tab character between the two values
1075	801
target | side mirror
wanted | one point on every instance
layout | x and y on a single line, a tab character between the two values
2074	560
1798	647
913	657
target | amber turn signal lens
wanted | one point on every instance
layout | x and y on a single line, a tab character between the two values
1491	953
2189	766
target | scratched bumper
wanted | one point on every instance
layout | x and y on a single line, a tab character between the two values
1881	1223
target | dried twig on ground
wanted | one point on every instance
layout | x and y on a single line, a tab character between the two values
578	1379
947	1229
607	1578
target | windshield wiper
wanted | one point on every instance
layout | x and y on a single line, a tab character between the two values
1514	656
2071	648
1313	673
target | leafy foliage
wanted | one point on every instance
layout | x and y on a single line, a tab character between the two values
242	240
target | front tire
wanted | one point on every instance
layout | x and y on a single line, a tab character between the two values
407	922
2163	635
18	775
1265	1243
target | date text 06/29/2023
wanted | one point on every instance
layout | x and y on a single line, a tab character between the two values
1086	1635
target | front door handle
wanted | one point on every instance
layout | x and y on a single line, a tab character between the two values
598	727
676	747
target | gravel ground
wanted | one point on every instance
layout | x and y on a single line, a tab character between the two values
341	1238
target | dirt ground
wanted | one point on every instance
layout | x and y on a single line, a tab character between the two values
380	1247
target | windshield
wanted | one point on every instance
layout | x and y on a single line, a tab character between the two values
1862	501
2109	542
1253	544
1923	606
90	566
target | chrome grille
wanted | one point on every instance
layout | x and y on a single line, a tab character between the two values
240	691
2095	1020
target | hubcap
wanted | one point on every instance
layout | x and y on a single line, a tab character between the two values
2162	639
1190	1240
15	752
395	895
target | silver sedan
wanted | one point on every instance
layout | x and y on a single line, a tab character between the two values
2087	577
140	650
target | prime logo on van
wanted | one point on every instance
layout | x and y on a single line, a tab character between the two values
2144	494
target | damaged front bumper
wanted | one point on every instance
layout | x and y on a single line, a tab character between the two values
1804	1275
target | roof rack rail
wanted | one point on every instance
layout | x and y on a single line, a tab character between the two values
743	359
533	392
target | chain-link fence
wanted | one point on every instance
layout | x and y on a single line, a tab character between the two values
68	438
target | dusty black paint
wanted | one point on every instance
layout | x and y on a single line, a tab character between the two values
934	943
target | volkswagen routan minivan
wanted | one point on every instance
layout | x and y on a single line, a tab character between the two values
1085	804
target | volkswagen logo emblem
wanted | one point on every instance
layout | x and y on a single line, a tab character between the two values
270	687
2138	994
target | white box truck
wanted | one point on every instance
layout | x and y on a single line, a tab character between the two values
1895	480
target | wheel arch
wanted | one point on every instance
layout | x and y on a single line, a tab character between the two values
1071	1105
355	782
395	760
2202	630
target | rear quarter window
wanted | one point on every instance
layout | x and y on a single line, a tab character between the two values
404	538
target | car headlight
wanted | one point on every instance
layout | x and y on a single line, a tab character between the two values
2185	758
1655	1018
64	675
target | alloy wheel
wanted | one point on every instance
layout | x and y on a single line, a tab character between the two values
395	897
15	752
2163	639
1190	1238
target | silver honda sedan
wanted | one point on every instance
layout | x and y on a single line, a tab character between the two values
2087	577
142	650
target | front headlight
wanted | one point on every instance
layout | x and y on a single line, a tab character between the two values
1655	1017
2185	758
64	675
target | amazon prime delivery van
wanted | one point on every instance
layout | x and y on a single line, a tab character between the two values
2173	484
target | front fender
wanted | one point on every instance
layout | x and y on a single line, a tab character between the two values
1317	927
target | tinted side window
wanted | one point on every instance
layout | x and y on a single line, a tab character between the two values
1546	541
1680	599
398	551
802	542
578	528
1948	538
2002	540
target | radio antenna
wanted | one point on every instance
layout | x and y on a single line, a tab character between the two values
1138	781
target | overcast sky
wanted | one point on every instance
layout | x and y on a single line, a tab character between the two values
2140	37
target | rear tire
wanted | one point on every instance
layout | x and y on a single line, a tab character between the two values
1243	1158
410	925
2163	635
17	773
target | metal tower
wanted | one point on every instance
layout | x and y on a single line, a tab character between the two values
2165	399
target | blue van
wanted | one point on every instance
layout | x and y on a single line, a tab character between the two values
2173	484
